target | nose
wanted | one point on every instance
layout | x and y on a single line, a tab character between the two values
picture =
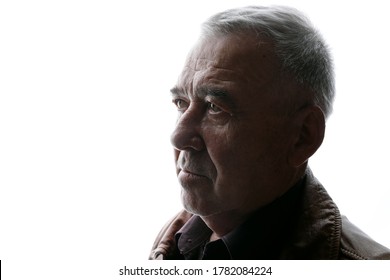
187	133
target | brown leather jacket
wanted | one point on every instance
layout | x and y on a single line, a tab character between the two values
320	232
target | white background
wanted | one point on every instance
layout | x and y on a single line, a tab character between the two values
86	169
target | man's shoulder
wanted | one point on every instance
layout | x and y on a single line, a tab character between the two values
326	234
357	245
165	240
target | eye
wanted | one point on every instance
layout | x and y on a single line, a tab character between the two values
213	108
180	104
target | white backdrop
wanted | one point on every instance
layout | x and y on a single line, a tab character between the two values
86	169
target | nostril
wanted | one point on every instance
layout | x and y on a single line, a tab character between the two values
187	137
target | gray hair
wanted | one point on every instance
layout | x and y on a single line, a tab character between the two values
302	51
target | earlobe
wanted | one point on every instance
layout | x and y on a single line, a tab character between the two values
309	134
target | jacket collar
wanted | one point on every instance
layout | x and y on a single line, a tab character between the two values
318	228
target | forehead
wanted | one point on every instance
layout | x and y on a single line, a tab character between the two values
236	51
231	61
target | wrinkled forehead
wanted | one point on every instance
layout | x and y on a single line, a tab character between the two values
231	50
235	58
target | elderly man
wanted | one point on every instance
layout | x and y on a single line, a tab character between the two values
252	101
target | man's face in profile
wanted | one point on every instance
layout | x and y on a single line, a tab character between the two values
231	140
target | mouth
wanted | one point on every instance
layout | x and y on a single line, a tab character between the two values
190	173
189	179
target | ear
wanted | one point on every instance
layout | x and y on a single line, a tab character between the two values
309	134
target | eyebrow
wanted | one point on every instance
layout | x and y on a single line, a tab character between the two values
205	91
177	91
213	91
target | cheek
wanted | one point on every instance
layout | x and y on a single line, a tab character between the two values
218	143
230	154
247	151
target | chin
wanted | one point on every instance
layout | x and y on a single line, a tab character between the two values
200	209
196	207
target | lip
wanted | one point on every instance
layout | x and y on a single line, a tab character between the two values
191	173
190	179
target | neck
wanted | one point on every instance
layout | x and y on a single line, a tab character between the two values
224	222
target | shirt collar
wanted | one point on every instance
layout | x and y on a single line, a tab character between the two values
194	234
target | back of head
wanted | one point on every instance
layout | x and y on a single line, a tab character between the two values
298	45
